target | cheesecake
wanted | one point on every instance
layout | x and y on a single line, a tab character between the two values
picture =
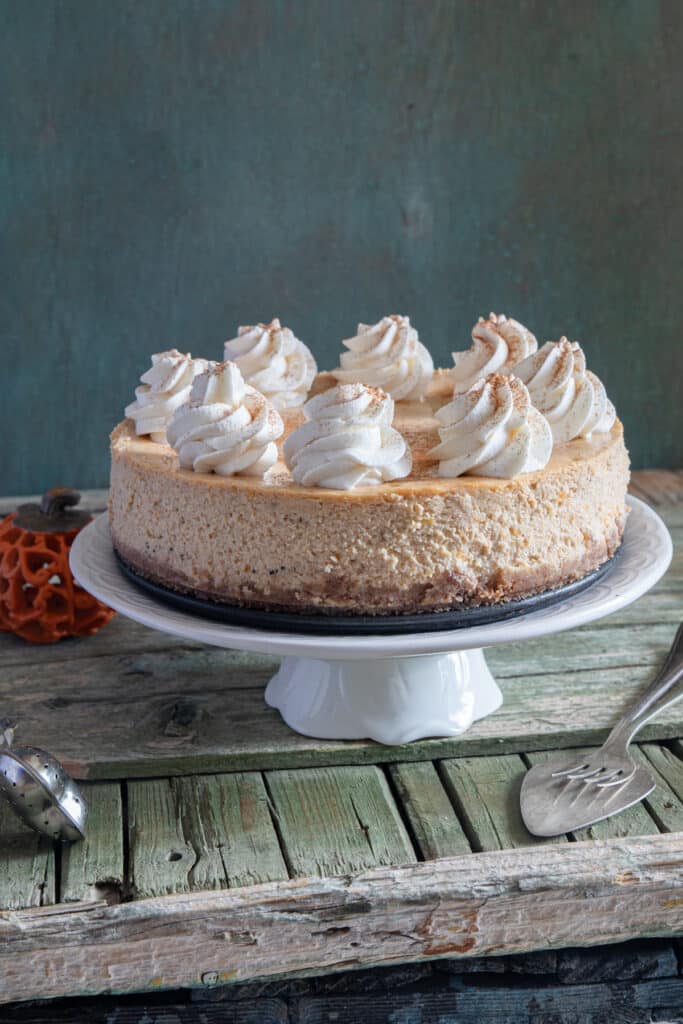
420	542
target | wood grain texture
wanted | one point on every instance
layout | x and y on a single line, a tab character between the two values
121	636
93	868
204	832
433	822
665	804
485	791
27	864
337	820
138	160
137	732
230	816
499	902
660	487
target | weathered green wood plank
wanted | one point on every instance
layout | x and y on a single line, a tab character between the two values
152	729
635	821
667	762
586	648
657	606
433	821
121	636
207	832
133	652
164	713
161	858
27	864
336	820
83	681
92	869
485	790
662	488
228	820
665	803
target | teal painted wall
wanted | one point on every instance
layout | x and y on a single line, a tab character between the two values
171	169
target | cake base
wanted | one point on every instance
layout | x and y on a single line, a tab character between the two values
390	700
361	625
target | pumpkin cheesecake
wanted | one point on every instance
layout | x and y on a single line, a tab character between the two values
359	504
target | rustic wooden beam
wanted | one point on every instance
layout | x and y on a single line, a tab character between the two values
490	903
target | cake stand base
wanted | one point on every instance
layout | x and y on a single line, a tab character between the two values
390	700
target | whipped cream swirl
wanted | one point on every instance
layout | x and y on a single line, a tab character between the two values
274	362
348	440
164	387
387	355
492	430
497	345
227	427
571	398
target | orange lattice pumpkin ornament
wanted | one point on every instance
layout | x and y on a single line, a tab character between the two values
39	598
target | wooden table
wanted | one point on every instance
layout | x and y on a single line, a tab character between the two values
222	847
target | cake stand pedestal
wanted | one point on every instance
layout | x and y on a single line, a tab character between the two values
391	688
391	700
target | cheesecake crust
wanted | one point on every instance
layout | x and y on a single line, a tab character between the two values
421	544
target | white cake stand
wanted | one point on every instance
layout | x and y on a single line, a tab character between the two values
392	689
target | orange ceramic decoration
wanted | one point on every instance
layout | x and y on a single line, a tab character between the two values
39	598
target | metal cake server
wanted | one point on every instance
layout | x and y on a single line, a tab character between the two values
41	792
566	794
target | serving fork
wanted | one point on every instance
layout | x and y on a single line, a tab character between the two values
569	793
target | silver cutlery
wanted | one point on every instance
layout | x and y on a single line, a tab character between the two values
40	791
566	793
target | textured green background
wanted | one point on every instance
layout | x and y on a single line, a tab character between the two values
172	169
